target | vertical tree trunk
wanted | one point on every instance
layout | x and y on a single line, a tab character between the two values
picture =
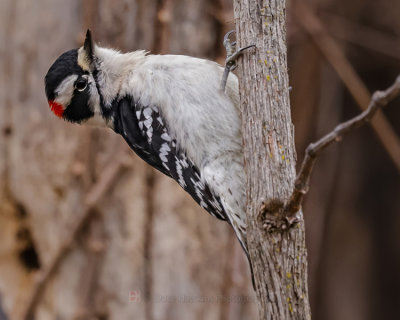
279	256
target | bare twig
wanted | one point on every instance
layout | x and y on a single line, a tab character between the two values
335	56
379	100
111	172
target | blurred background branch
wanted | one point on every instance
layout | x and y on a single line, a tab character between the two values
93	198
346	72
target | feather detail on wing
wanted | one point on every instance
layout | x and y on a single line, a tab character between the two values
146	132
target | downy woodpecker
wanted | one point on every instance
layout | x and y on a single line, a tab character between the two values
171	111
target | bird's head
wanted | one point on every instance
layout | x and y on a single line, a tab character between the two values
71	88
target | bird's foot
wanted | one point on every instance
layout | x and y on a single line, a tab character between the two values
231	57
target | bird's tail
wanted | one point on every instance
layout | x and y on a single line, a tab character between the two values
242	237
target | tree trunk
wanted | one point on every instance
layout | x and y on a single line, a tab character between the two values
279	256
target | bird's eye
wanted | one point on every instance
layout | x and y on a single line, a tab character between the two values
81	84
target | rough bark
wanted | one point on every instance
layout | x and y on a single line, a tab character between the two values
279	256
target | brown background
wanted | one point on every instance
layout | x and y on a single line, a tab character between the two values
146	236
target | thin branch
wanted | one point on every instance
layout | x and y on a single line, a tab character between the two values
111	172
335	56
379	100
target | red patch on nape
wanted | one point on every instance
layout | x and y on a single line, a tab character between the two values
57	108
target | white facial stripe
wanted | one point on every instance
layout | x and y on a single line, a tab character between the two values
65	90
94	100
83	60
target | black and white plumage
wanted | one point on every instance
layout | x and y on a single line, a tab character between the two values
169	109
144	130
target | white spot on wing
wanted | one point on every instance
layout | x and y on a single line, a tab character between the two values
148	123
165	148
180	164
215	205
165	137
149	133
203	204
147	112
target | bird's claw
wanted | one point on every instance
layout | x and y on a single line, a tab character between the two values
231	60
231	57
227	35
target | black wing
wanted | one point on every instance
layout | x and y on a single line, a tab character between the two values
147	134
